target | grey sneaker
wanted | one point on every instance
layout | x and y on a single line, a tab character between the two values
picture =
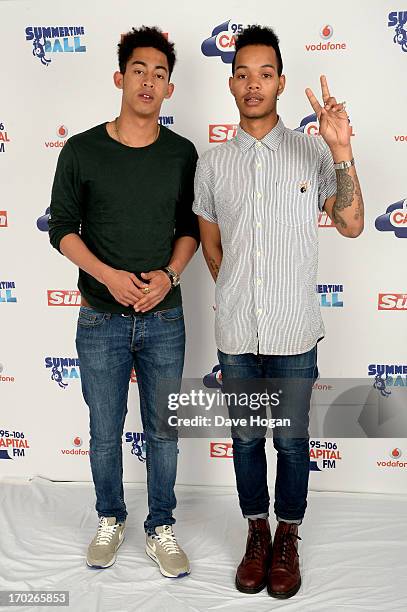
102	550
165	551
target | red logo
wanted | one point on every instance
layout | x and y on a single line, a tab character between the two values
400	138
324	220
395	453
77	441
133	376
221	449
392	301
221	132
3	218
62	131
63	297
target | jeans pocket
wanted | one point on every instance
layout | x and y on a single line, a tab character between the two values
88	317
171	314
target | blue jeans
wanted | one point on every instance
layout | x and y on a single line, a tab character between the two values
108	346
249	454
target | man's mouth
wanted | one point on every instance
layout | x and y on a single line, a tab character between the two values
253	100
146	97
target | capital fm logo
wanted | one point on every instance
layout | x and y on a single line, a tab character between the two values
330	296
49	40
61	132
326	33
324	455
222	41
63	297
392	301
394	219
13	444
221	132
3	218
309	125
63	370
42	222
397	20
4	138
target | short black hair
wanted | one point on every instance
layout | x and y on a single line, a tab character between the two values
145	37
258	35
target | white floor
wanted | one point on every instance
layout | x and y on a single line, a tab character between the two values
353	552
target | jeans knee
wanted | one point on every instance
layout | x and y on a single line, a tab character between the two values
290	446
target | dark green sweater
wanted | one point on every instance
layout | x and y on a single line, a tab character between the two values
128	205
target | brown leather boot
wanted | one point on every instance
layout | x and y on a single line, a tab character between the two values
251	575
284	578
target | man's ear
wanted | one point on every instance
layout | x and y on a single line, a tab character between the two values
231	81
170	90
281	85
118	79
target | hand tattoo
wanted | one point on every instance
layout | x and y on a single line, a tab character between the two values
214	266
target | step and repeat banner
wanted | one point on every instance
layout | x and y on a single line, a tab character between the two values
57	62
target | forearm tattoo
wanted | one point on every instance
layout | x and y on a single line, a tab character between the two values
348	191
214	266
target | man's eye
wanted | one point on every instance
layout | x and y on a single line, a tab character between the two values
267	75
241	76
160	76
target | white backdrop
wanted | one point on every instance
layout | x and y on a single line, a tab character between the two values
44	427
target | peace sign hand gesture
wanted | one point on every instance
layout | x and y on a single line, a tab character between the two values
333	121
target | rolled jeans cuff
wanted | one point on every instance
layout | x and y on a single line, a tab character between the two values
292	521
253	517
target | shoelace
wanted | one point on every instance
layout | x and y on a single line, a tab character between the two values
286	547
255	549
105	532
167	540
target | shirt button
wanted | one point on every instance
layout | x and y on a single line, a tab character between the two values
258	165
259	281
258	195
258	143
258	253
258	224
259	311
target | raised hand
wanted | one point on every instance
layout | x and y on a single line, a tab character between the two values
333	120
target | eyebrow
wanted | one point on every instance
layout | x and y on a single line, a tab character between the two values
263	66
144	64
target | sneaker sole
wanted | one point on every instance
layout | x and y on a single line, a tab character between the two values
154	557
279	595
91	565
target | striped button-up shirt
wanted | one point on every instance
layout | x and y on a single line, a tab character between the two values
265	196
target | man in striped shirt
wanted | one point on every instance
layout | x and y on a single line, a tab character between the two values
258	197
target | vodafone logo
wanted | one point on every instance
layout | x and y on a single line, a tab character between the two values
63	297
324	220
395	453
326	32
221	450
3	218
77	442
221	132
392	301
62	131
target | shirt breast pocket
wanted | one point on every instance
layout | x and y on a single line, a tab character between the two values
296	201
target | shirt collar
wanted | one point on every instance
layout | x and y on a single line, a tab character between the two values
271	140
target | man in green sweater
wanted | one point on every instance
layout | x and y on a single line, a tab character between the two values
121	210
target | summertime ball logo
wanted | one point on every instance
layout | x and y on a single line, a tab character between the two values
63	369
7	292
49	39
137	440
330	296
397	20
394	219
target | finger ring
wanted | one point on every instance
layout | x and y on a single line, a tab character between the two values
146	290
